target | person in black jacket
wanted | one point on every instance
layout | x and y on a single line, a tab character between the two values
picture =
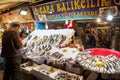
10	45
90	40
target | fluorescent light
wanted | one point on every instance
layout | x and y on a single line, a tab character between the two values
23	11
46	25
109	17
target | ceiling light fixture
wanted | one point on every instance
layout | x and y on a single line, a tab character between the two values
23	11
109	17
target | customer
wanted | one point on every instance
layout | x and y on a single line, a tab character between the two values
10	46
90	40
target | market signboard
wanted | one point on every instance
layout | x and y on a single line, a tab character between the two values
72	9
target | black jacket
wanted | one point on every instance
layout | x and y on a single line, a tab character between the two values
10	43
91	43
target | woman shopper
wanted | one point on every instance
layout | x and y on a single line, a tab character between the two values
10	46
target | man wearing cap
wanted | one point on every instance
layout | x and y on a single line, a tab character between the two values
10	45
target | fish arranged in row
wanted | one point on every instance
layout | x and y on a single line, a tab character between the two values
55	39
101	64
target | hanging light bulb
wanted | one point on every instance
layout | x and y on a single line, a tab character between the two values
98	20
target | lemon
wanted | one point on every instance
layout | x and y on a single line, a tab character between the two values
99	64
52	70
64	50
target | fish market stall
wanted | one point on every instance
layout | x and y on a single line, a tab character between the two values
45	47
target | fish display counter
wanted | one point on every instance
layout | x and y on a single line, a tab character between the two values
44	47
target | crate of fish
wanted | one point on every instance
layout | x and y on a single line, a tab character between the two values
43	71
62	75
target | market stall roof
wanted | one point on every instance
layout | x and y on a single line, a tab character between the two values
9	5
